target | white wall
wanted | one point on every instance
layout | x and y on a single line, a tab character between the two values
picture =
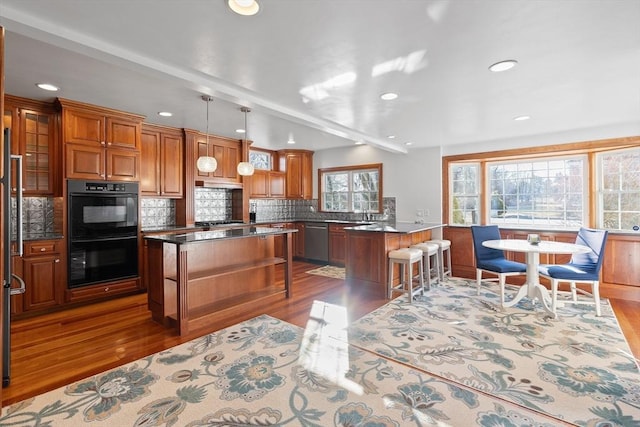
414	179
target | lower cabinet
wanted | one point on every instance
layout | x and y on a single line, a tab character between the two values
298	240
278	239
98	292
41	269
338	244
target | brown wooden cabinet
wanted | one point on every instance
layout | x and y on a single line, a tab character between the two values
227	152
267	184
41	268
298	239
34	136
298	167
338	244
620	275
102	291
161	163
278	238
100	143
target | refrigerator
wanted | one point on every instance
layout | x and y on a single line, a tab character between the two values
8	277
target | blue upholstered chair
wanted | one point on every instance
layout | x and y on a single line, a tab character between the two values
492	260
583	268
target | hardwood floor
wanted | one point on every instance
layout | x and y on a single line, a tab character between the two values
55	349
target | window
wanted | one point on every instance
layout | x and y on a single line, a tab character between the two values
260	159
564	186
619	190
541	192
465	199
351	189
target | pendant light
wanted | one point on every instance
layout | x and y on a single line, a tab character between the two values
207	164
245	168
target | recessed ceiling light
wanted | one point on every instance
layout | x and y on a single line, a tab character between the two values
48	86
408	143
244	7
165	114
360	142
388	96
521	118
391	136
291	141
240	131
503	65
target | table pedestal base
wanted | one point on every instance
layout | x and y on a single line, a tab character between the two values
533	289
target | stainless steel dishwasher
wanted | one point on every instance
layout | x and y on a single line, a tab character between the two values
316	241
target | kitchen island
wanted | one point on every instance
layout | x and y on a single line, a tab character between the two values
368	245
194	277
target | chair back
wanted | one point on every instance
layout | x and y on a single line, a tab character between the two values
594	239
482	233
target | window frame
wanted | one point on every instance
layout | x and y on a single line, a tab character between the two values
350	170
585	193
477	194
601	192
588	148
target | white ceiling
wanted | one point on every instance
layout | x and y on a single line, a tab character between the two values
579	66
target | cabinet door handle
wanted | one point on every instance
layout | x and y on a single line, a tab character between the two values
103	143
43	249
57	260
106	289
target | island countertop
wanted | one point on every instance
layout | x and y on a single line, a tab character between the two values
398	227
222	234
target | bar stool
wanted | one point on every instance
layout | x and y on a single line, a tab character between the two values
443	246
405	258
429	252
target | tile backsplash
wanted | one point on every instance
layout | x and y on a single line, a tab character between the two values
157	212
285	210
214	204
38	215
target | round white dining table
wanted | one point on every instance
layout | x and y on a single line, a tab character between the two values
533	289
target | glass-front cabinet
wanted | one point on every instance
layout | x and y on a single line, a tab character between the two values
33	128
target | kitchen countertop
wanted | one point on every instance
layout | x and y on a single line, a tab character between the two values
398	227
226	233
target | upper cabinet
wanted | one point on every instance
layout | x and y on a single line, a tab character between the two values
266	184
100	143
298	167
161	166
227	152
34	136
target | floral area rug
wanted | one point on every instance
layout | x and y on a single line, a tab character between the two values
329	271
265	372
577	368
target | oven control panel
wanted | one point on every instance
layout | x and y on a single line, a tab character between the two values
105	186
76	186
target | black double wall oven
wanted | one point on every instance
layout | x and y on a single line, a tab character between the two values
103	231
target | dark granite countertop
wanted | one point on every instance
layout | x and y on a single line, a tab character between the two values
398	227
221	234
169	229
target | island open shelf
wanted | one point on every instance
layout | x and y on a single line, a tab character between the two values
195	278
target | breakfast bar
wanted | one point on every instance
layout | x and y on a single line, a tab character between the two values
194	277
368	245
